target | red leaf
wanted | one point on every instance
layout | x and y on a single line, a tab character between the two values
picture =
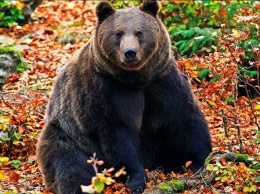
14	177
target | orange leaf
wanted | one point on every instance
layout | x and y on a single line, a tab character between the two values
100	162
174	175
188	164
46	190
195	73
185	21
20	129
223	161
224	12
175	1
249	151
150	184
162	176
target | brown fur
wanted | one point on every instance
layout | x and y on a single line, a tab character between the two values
137	112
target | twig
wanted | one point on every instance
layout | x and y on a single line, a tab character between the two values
239	137
251	105
1	96
246	89
224	118
9	115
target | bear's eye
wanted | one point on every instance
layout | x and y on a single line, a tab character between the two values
139	34
119	34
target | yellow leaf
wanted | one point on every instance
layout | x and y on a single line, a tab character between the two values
160	5
3	177
197	79
257	107
20	5
195	74
89	161
192	42
108	181
211	103
235	32
4	159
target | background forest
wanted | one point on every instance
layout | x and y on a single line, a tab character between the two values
217	45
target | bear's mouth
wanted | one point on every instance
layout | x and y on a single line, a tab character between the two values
127	62
131	65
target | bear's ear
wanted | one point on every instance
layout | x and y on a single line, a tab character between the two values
103	10
150	6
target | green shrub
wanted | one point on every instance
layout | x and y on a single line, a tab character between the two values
121	4
10	13
194	40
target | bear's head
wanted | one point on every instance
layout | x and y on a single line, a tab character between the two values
131	38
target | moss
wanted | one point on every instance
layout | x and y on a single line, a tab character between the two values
165	187
21	66
7	49
242	158
67	38
176	185
172	186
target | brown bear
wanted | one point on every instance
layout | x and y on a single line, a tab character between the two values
122	97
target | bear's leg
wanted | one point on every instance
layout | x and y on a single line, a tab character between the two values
175	149
198	146
120	151
169	155
72	171
64	167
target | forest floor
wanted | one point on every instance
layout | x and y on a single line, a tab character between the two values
58	31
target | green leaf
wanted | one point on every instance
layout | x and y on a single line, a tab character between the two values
203	73
246	189
229	99
223	179
13	11
17	136
209	167
210	23
2	14
256	140
190	9
99	186
16	163
21	17
30	160
214	79
257	178
257	166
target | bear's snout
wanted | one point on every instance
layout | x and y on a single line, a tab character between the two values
130	54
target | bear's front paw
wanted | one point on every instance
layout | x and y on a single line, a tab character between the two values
137	183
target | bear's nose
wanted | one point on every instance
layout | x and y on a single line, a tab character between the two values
130	53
